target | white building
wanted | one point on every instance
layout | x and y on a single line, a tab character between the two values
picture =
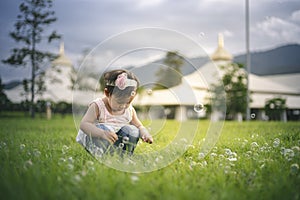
59	83
195	86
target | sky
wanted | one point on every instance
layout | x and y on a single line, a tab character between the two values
85	24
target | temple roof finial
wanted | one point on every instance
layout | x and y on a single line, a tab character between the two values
221	53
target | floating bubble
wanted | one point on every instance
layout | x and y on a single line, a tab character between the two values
61	161
213	156
70	166
203	163
201	155
36	153
289	154
233	154
198	107
121	145
125	140
201	34
22	147
167	111
133	93
296	149
77	178
70	160
149	91
294	169
276	142
232	159
90	165
227	151
254	145
27	164
221	156
98	152
3	145
282	149
65	149
252	115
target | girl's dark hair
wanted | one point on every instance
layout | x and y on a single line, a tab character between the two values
110	78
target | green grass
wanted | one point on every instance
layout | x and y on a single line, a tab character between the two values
41	160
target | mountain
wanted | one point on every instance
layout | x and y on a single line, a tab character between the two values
281	60
12	84
147	73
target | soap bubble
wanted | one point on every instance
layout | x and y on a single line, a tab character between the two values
149	91
288	154
156	100
65	149
36	153
125	140
198	107
22	147
201	34
27	164
294	169
201	155
134	178
276	142
254	145
252	116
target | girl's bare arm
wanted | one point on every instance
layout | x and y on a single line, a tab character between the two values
87	125
145	135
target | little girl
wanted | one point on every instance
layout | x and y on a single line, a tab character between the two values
111	123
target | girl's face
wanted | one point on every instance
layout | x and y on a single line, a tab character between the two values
119	104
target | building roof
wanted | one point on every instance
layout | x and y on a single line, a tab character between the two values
182	94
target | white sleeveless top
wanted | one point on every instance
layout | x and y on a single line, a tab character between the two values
112	122
115	121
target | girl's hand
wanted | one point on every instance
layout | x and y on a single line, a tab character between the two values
146	136
110	136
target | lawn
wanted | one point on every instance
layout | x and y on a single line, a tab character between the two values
251	160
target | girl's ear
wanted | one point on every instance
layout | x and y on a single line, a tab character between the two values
106	92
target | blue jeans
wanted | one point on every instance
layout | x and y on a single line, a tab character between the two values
128	137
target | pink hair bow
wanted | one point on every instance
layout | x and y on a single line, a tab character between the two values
122	82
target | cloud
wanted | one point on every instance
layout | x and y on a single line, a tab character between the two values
278	30
227	33
146	3
296	16
86	23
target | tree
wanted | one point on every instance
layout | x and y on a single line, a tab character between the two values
35	15
234	82
171	75
275	108
4	101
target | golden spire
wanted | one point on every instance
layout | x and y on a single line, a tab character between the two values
62	59
62	48
220	41
221	53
